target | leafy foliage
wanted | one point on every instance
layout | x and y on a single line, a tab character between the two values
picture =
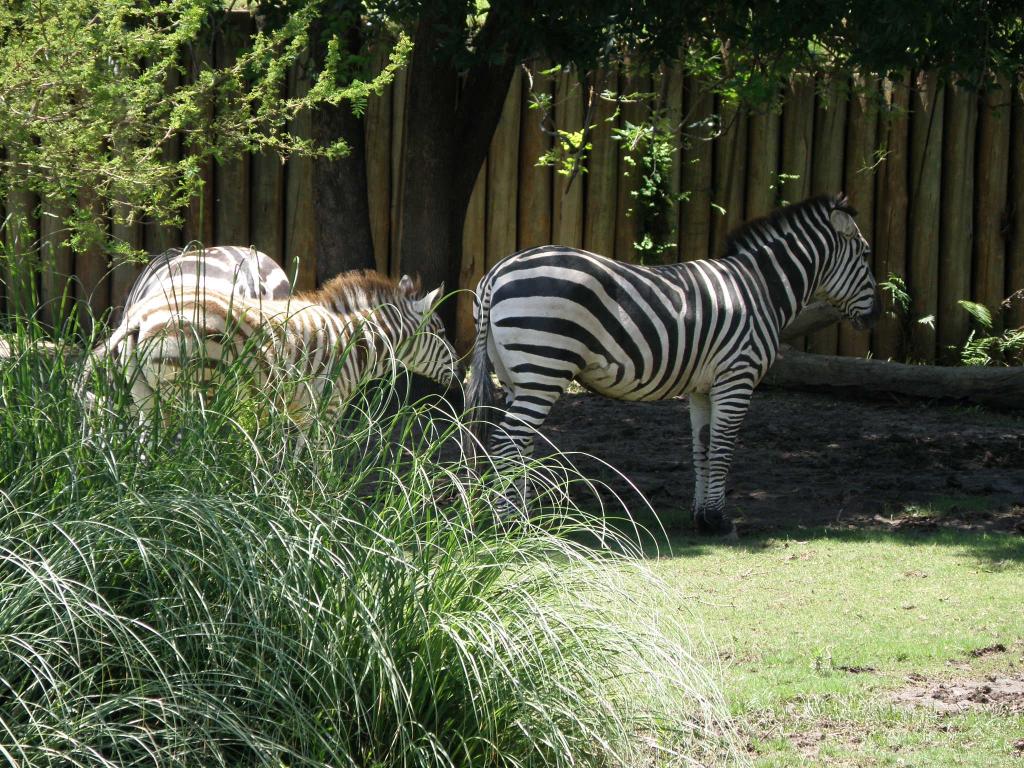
987	344
649	150
899	295
96	93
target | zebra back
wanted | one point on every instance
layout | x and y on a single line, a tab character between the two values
329	340
228	269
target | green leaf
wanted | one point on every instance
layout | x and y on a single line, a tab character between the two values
979	312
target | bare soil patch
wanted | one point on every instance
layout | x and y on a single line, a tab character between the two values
807	459
994	692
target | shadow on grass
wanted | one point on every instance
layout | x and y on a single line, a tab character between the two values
991	549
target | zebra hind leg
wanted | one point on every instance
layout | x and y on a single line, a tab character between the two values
511	445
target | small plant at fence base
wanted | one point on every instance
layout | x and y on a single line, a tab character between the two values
987	345
219	599
899	295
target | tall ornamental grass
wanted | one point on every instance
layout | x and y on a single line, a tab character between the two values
203	592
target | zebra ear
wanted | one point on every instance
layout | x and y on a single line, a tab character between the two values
426	304
843	223
407	285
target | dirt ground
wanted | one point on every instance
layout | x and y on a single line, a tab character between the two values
814	459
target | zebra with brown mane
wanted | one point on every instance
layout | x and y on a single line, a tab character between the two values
319	344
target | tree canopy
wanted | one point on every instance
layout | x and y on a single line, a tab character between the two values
91	91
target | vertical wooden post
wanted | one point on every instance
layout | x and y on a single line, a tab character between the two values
474	242
830	138
199	216
890	241
231	177
695	212
827	174
627	217
990	198
299	224
957	221
92	289
730	175
763	144
797	147
860	186
160	237
57	263
602	178
1015	248
124	273
22	236
927	105
378	162
672	99
503	176
533	207
267	205
399	92
568	202
797	139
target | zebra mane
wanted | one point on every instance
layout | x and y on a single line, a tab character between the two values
767	226
360	289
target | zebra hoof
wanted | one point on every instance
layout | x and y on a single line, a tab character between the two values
712	524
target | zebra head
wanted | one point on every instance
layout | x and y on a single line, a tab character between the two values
847	282
427	351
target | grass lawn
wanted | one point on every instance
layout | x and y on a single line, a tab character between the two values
816	631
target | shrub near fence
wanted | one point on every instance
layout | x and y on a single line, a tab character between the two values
935	170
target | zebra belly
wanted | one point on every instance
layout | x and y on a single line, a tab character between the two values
602	383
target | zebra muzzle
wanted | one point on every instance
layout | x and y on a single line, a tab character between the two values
868	319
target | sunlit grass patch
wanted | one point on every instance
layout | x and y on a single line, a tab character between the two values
818	631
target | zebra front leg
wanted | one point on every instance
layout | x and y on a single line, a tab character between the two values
730	400
700	426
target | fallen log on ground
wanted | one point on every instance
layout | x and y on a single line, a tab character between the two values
813	318
996	387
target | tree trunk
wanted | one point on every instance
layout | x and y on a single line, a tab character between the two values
344	239
447	135
341	211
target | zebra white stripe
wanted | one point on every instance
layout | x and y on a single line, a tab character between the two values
229	269
549	315
322	344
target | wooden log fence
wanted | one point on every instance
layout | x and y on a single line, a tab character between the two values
935	170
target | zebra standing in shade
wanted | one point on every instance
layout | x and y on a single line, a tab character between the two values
312	347
710	328
223	268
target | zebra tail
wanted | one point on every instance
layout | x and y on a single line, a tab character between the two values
480	394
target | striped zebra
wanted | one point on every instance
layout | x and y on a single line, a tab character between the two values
228	269
223	268
709	329
319	345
